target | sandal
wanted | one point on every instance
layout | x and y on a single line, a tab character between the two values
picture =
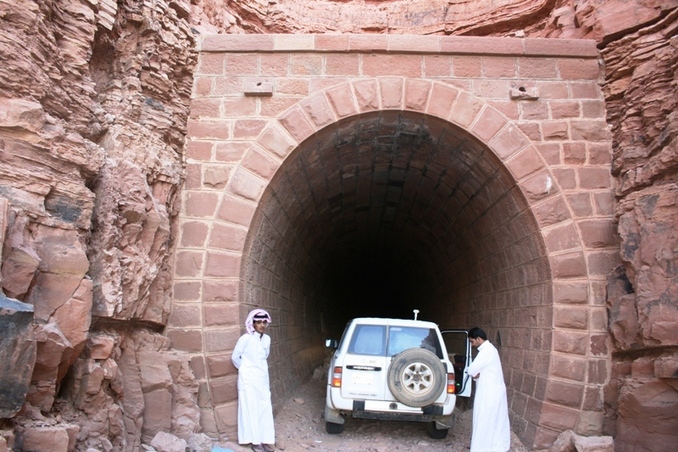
267	448
257	448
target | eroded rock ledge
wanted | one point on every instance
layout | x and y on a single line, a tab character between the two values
94	98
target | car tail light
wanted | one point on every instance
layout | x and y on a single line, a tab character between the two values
450	384
336	377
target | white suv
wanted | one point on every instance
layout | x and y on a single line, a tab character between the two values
395	369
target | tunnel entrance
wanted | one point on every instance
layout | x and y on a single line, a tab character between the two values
330	177
390	211
382	213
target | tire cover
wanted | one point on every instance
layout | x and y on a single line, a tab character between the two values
416	377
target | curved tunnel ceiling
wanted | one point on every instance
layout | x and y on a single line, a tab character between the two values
390	211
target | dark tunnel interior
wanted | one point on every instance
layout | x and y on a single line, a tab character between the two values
391	211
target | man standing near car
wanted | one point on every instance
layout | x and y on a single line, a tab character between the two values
491	430
255	411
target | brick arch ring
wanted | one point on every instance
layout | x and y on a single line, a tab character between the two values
276	139
282	135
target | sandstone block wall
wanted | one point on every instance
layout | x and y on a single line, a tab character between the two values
638	50
274	118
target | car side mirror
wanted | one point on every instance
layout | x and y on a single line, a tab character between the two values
331	343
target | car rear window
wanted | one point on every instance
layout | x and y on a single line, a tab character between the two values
402	338
372	340
368	340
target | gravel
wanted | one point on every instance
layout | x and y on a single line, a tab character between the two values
300	427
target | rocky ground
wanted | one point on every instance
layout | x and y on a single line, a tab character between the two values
300	427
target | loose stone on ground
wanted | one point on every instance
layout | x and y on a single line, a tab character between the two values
300	427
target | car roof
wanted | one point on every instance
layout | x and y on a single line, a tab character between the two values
393	322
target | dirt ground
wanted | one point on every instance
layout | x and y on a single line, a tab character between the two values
300	427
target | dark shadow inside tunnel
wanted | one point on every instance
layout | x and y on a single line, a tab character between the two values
391	211
380	283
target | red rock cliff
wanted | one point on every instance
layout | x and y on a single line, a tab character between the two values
93	106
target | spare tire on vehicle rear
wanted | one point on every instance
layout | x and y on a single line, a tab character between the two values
416	377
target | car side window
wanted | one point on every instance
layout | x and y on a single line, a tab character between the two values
368	340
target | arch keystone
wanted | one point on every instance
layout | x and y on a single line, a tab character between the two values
391	91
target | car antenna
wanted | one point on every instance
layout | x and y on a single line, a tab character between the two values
416	311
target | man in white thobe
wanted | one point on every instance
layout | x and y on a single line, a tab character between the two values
491	430
255	411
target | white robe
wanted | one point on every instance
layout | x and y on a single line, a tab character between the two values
255	412
491	430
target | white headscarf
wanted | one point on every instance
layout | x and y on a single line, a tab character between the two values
260	314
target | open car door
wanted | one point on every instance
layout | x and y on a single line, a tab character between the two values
459	350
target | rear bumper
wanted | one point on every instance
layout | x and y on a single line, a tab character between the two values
387	410
335	401
425	414
442	421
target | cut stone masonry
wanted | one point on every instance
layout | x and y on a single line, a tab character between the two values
481	162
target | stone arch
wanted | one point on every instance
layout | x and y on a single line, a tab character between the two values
547	389
440	107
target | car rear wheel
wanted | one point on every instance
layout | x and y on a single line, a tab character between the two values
416	377
334	428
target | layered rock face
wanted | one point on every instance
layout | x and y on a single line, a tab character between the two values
93	104
642	69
